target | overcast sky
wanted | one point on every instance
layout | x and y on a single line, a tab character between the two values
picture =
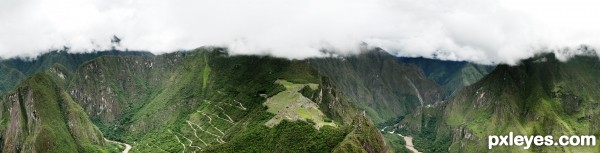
484	31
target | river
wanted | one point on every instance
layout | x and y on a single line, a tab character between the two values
127	146
409	144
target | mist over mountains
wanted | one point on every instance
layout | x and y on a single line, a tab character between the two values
217	102
364	76
214	100
481	31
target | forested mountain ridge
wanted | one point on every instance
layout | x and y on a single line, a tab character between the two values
451	75
39	116
206	100
381	85
539	96
15	70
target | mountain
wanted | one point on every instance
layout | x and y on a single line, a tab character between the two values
540	96
15	70
200	100
384	87
39	116
206	100
451	75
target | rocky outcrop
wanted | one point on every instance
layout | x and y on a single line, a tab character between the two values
41	117
109	86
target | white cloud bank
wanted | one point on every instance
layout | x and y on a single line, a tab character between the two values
484	31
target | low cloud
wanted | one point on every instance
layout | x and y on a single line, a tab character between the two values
483	31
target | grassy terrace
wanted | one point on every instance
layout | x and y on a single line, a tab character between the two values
291	105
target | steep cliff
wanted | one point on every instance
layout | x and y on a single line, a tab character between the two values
382	86
39	116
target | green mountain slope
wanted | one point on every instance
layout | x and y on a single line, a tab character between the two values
381	85
15	70
39	116
540	96
451	75
206	100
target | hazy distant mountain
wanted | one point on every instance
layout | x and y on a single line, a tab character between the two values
451	75
380	84
14	70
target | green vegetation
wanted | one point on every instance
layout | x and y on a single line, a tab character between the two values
201	100
369	138
41	117
396	143
292	105
13	71
451	75
540	96
379	84
285	137
206	100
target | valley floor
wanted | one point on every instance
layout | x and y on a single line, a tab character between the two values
409	144
407	139
127	146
